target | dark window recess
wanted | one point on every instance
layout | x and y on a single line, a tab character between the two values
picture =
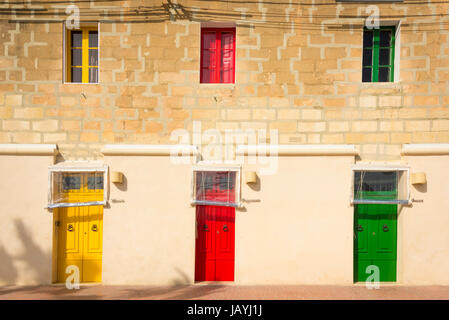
77	39
77	75
378	54
93	39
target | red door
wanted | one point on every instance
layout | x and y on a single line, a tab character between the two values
214	259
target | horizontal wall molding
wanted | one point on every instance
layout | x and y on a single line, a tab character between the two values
425	149
299	150
28	149
150	150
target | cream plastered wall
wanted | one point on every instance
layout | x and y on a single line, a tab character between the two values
295	227
149	229
424	227
26	227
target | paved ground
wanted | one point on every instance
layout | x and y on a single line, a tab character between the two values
225	292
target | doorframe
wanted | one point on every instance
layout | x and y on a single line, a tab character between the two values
372	166
71	166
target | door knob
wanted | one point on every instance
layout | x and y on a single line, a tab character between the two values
70	227
225	228
94	228
385	228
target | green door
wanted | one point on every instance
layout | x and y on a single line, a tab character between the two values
375	238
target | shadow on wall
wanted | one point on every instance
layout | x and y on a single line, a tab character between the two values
35	260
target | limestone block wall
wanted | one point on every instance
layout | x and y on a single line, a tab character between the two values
298	71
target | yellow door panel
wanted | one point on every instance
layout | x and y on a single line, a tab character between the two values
93	224
93	245
62	266
91	270
72	227
70	244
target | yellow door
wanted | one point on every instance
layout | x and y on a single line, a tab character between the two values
80	231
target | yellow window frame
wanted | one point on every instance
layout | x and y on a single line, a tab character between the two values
85	54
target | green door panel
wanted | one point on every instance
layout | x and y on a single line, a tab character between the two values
387	270
375	240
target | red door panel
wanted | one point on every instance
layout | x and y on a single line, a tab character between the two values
215	243
224	244
205	244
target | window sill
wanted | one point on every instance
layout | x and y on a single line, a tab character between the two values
75	204
368	1
218	85
381	84
84	83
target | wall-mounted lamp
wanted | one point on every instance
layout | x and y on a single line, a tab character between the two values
116	177
418	178
251	177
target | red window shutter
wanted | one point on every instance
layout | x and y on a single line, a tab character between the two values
208	56
217	56
227	57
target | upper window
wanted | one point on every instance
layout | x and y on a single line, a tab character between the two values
378	54
82	55
381	185
76	186
217	55
215	186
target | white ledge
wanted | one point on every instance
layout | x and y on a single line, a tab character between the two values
29	149
145	149
299	150
425	149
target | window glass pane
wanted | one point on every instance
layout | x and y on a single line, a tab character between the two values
226	67
207	75
366	75
208	58
93	39
71	182
226	59
204	184
384	74
367	39
93	57
367	57
369	184
76	75
93	75
226	76
227	41
385	38
215	186
95	182
209	40
384	57
77	58
226	180
77	38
